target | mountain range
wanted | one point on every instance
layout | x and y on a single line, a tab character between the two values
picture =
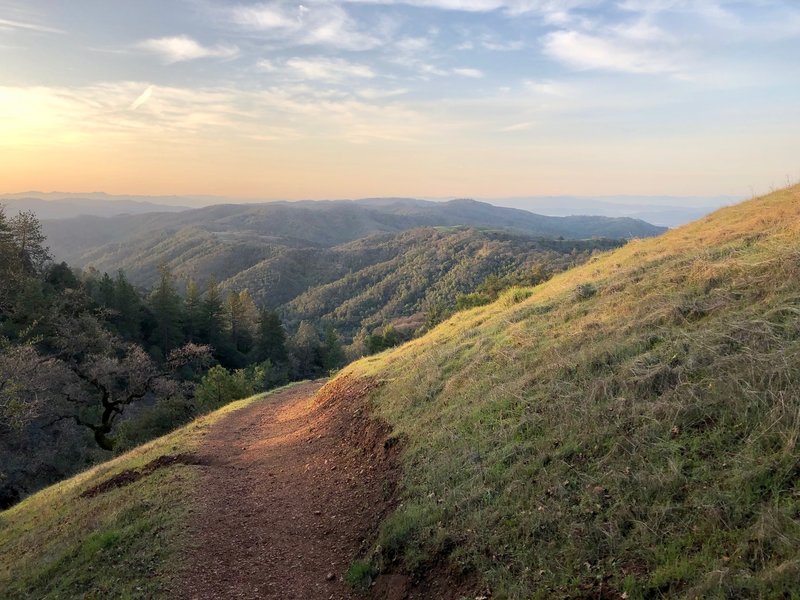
668	211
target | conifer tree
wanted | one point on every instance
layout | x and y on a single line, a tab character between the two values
271	339
167	309
306	350
26	230
332	353
128	305
193	312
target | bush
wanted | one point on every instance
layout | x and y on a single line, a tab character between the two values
467	301
585	291
220	386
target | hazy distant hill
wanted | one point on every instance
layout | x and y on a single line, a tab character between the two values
75	207
668	211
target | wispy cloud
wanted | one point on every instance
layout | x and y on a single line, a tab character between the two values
555	11
9	24
468	72
143	98
322	24
123	113
611	52
329	69
183	48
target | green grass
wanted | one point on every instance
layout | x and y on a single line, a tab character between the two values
630	426
121	544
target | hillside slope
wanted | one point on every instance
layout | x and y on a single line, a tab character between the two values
376	280
629	427
120	529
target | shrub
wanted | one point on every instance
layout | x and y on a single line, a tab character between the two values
220	386
585	291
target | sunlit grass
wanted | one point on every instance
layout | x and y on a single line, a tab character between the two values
630	426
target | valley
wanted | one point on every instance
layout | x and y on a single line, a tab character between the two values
627	428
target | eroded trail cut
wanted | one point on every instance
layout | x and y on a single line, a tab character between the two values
291	490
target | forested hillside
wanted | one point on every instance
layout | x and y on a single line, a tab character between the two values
626	429
90	366
418	275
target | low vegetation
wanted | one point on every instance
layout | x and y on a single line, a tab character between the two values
627	429
75	540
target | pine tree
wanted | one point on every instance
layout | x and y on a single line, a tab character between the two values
233	318
332	352
104	291
211	312
128	306
29	240
271	339
193	312
306	350
248	322
167	309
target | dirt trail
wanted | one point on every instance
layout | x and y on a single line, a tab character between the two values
290	492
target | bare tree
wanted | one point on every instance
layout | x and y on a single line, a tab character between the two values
97	376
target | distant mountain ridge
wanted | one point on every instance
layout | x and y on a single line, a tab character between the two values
669	211
87	240
70	208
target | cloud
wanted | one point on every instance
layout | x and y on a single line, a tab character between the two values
9	24
378	94
143	98
611	53
555	11
103	113
524	126
183	48
329	69
546	88
467	72
320	24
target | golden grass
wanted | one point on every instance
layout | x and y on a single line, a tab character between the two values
631	426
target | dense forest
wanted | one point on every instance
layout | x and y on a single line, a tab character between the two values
89	365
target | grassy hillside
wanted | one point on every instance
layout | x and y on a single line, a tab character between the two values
61	544
629	427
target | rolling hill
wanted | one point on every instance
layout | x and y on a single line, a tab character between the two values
137	242
354	264
628	429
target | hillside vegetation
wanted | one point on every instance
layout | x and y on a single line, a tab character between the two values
628	429
374	281
69	541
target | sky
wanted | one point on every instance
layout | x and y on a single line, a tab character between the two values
439	98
